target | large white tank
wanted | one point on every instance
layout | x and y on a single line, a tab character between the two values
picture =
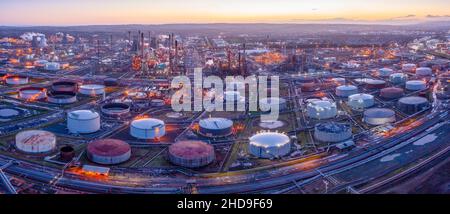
398	78
385	72
52	66
16	80
215	127
32	93
321	109
147	128
35	141
416	85
92	89
360	101
408	67
83	121
269	145
424	71
332	132
379	116
346	90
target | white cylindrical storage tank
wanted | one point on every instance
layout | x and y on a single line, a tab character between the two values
108	151
92	89
16	80
409	67
424	71
416	85
360	101
32	93
83	121
269	145
147	128
385	72
398	78
266	103
191	154
215	127
35	141
332	132
346	90
321	109
52	66
379	116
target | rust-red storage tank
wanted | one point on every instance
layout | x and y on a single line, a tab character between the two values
108	151
375	84
391	93
191	154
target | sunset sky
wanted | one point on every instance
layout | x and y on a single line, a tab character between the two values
83	12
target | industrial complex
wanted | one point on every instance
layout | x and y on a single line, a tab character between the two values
90	109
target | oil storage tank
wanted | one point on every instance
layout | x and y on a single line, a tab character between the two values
64	86
375	84
61	97
321	109
409	67
398	78
35	141
391	93
115	109
269	145
332	132
416	85
215	127
360	101
83	121
424	71
379	116
147	128
191	154
16	80
52	66
412	104
32	93
346	90
108	151
92	89
266	103
385	72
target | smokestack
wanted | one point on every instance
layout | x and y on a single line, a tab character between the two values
142	45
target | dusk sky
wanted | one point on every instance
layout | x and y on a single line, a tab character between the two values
83	12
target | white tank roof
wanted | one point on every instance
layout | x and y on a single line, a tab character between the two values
92	86
147	123
83	114
346	87
269	139
322	103
215	123
360	96
415	82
